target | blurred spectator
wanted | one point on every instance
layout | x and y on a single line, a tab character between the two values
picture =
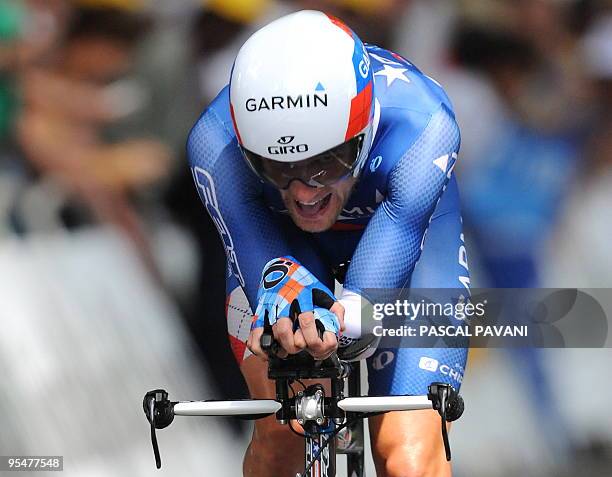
28	31
76	92
579	254
514	185
69	97
10	23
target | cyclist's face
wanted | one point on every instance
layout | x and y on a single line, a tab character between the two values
315	209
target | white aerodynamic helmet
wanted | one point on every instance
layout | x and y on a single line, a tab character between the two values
301	98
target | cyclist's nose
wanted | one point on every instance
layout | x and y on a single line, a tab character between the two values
303	192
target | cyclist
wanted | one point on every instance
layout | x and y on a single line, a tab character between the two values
320	151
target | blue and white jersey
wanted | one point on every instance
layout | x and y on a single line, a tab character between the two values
406	197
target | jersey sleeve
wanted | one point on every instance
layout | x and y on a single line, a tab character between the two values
391	244
233	197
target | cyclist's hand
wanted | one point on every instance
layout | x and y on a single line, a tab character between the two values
282	332
254	343
287	289
307	335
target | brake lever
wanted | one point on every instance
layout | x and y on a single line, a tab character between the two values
449	405
160	414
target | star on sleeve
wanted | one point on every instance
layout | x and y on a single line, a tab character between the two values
392	74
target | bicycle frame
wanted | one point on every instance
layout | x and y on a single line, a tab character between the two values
355	464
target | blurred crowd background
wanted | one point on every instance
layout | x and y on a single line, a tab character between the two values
112	274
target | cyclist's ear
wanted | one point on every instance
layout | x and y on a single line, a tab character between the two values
322	299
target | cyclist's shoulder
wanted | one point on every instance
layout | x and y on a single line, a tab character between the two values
406	100
401	86
210	139
215	119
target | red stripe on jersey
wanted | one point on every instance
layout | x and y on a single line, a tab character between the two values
238	348
399	57
235	126
340	24
361	108
339	226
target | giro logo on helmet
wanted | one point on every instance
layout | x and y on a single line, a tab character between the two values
287	149
287	102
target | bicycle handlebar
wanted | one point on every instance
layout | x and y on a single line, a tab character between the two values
267	407
160	411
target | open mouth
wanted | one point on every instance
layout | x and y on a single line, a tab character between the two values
312	210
